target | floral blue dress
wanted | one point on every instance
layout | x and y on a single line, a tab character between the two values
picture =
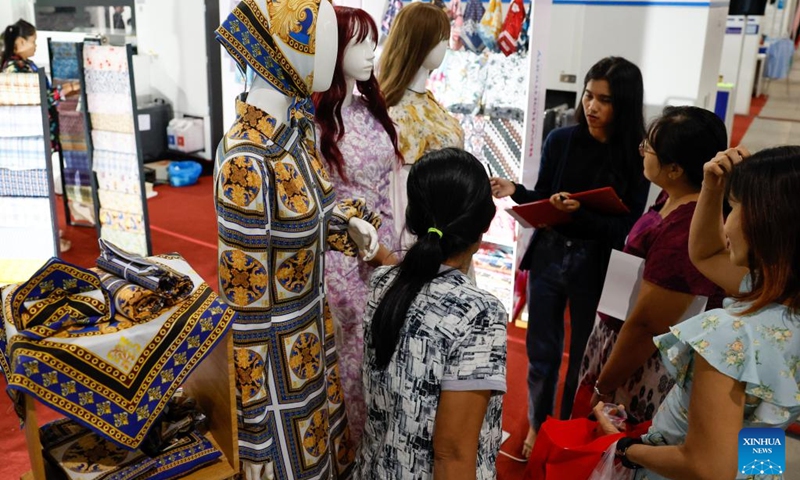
761	349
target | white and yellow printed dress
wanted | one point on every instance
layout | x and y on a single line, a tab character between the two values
275	214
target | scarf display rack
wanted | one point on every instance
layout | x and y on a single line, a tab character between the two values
76	169
115	146
28	225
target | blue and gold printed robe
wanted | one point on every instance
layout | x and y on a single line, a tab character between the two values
276	212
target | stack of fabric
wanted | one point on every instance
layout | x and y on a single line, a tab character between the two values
116	159
110	360
27	219
72	133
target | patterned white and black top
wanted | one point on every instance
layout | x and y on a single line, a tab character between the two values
454	339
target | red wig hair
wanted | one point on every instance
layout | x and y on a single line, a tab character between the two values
358	24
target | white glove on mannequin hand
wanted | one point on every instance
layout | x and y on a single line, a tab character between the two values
365	237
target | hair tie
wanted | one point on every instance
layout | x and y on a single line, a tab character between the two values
436	231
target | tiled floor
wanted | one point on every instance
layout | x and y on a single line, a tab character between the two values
779	124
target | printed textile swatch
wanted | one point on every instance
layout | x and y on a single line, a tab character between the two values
21	121
23	183
83	455
184	455
71	122
123	202
132	301
77	160
139	365
110	103
64	60
126	222
20	89
474	127
119	182
114	142
130	241
104	81
150	274
506	93
112	123
503	147
24	212
100	57
22	153
116	162
465	80
77	177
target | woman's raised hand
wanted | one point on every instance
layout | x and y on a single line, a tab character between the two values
717	170
502	187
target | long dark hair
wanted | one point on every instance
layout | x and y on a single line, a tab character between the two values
627	127
688	137
448	190
358	24
766	185
10	35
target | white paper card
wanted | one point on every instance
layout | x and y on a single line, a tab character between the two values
144	122
621	288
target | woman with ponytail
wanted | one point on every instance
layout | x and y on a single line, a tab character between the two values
435	344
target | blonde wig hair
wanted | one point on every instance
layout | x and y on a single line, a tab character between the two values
416	30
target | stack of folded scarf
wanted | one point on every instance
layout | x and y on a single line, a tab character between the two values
140	288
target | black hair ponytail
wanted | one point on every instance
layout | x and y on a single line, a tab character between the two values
449	207
10	35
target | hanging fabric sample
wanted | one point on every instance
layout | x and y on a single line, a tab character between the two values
116	158
76	169
64	63
392	9
63	343
507	41
28	231
491	25
506	93
473	13
502	147
456	23
523	43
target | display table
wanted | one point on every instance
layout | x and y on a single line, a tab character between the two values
211	384
110	355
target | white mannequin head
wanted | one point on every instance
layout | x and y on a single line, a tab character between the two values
436	56
359	59
326	48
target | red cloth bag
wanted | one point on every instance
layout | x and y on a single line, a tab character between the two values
570	449
581	406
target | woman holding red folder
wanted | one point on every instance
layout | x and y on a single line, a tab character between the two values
568	262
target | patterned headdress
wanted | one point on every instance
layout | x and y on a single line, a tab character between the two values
279	48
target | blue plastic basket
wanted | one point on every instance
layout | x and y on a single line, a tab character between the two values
184	173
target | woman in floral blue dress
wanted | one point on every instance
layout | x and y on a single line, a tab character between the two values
737	366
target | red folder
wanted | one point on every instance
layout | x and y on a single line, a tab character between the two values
601	200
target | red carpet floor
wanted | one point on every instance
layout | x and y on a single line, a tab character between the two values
183	220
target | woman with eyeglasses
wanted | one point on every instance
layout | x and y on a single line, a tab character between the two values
568	262
621	363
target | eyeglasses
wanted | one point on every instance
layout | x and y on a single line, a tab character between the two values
644	147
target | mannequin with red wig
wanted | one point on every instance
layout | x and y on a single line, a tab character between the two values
358	141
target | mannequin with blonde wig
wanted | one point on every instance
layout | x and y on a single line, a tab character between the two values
416	45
